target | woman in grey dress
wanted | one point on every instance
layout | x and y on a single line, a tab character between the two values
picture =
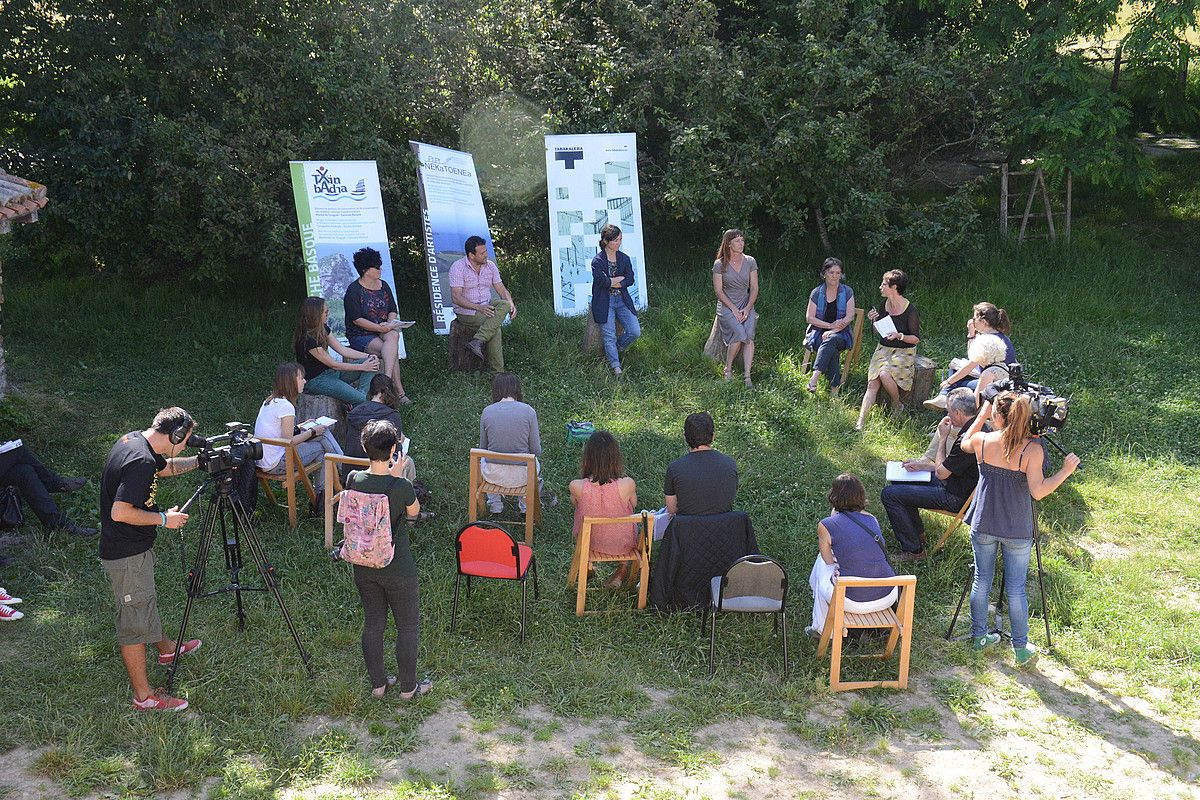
735	280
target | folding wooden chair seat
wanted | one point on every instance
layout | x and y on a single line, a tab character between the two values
294	470
952	526
849	355
479	488
839	621
584	556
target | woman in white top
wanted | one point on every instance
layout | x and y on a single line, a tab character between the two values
277	420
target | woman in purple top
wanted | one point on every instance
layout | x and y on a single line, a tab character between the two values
849	541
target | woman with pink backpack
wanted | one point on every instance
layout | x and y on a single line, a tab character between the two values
373	509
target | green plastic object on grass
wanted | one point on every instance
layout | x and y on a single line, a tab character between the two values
579	431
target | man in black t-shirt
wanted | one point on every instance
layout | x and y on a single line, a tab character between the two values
129	521
955	474
704	480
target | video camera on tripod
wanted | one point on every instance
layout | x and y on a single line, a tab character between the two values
228	450
1048	407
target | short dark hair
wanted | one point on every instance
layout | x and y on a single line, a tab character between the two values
365	259
609	233
168	420
602	461
830	263
383	386
897	279
378	438
505	384
698	429
471	243
847	493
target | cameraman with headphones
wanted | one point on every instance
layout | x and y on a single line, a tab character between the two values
129	519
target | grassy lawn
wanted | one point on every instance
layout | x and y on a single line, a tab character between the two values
1103	320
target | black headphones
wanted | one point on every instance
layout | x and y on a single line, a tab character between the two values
178	434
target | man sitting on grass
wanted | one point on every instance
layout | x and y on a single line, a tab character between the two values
955	474
703	480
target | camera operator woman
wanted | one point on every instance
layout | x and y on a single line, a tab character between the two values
277	419
1010	479
322	372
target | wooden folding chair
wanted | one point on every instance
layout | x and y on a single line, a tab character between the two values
479	487
294	469
849	355
584	556
956	520
333	488
839	621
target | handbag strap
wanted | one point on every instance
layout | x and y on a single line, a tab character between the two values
876	536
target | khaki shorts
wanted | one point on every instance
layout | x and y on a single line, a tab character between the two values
137	601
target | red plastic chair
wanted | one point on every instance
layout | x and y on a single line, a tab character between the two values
487	551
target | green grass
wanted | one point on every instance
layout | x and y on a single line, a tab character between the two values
1105	320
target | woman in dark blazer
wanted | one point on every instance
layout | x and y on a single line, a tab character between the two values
612	275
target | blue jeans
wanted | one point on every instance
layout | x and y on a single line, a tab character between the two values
331	384
1016	567
618	311
828	361
969	383
902	502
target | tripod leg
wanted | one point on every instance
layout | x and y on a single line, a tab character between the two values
1037	549
961	599
195	587
233	563
241	520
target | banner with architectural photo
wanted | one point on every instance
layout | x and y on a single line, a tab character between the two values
592	181
340	210
451	210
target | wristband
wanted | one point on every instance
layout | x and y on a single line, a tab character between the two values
163	514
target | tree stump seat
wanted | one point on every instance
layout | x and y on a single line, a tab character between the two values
593	336
922	385
461	357
313	406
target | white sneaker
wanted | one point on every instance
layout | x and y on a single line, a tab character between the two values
936	403
7	599
9	614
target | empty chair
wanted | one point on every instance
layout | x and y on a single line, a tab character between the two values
753	584
487	551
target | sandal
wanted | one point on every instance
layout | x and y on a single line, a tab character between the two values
424	687
391	681
404	400
728	374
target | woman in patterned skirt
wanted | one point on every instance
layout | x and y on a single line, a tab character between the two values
894	361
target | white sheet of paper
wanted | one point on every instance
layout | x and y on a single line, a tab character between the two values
897	472
885	326
326	421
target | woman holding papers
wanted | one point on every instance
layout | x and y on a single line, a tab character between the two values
276	420
1010	479
894	361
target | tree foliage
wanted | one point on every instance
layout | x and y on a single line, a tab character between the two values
164	128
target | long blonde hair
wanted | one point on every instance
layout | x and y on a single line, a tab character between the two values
723	250
1017	412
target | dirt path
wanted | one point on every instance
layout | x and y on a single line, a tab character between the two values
1041	734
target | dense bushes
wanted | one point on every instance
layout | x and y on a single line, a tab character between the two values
164	129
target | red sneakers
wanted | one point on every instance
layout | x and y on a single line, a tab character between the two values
9	614
7	599
160	701
189	646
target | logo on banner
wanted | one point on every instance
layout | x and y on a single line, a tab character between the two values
568	155
329	187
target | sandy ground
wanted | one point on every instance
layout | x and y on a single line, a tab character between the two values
1024	734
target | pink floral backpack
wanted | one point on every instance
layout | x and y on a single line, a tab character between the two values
367	522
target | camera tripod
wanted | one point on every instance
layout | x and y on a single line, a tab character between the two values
224	502
1037	549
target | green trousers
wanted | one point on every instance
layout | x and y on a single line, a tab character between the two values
487	330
